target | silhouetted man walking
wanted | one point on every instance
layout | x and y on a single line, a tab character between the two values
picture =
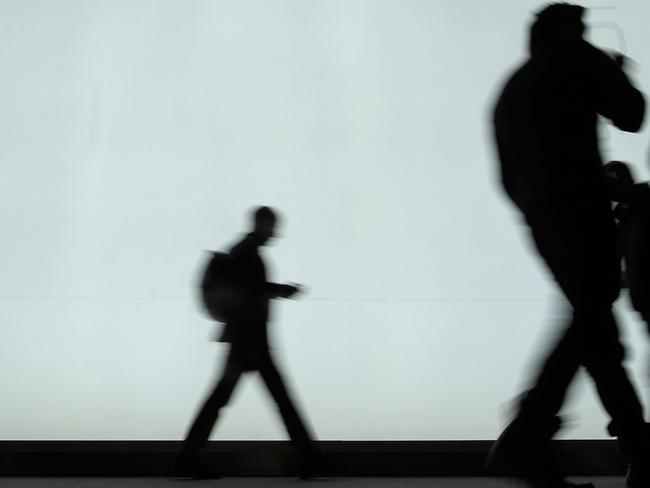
246	331
545	128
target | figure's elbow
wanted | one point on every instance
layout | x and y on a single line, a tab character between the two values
631	120
630	124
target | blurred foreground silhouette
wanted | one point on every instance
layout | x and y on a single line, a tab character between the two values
235	291
545	128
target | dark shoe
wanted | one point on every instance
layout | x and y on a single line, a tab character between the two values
638	475
636	449
310	464
524	450
188	465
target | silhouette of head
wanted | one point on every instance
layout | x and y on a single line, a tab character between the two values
557	26
619	171
264	221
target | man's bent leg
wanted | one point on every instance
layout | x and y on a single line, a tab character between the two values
581	252
572	241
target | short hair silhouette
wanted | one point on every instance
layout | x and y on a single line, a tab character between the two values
558	24
264	214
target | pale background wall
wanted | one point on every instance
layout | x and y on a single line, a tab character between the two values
136	133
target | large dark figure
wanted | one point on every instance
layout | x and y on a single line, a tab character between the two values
545	127
246	331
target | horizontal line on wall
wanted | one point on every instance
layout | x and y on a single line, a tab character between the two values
155	298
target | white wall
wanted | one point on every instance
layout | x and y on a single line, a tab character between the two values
136	133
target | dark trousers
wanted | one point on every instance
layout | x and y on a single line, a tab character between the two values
242	359
578	243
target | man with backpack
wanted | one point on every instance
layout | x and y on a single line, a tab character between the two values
245	312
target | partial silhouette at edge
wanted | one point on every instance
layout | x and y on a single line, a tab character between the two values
632	213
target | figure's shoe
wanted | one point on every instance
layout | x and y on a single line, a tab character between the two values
636	449
310	464
188	465
524	450
638	475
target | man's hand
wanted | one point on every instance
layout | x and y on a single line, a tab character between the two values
289	290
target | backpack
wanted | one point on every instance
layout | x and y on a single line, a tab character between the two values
219	295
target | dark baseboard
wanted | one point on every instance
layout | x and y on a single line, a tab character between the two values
276	458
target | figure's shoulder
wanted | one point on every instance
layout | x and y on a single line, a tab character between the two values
517	77
244	247
514	89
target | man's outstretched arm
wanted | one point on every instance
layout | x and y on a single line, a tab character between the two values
279	290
